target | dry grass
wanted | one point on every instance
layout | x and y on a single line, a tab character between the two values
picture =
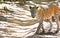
22	22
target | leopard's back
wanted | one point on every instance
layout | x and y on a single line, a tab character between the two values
48	12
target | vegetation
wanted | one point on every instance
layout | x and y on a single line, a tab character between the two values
59	0
59	17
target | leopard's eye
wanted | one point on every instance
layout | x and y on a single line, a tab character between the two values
30	7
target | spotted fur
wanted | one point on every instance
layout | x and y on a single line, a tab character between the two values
42	14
